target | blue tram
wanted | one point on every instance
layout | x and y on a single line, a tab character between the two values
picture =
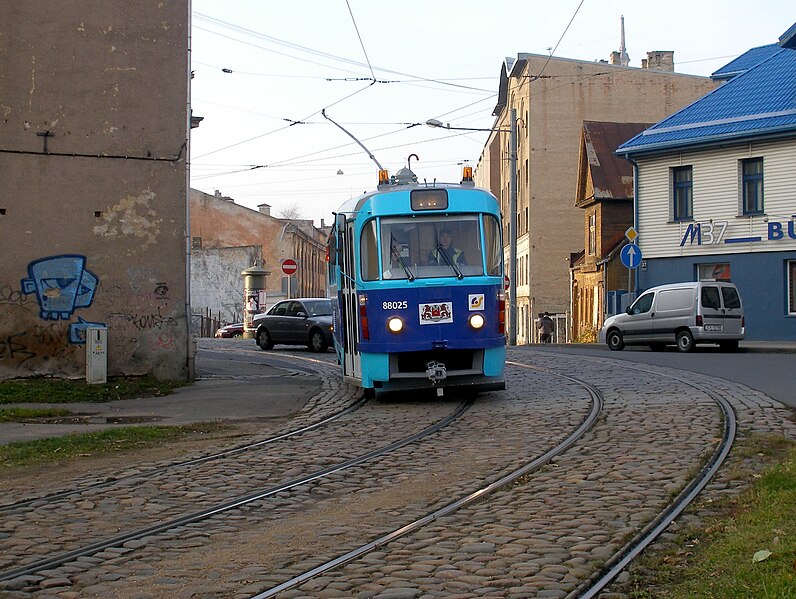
417	286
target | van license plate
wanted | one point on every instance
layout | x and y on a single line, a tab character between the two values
714	327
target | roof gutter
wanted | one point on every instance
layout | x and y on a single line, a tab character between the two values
758	134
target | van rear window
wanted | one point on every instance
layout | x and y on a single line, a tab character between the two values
710	298
731	298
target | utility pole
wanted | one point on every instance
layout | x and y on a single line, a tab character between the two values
513	227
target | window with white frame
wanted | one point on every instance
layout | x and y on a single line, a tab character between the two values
592	233
752	186
682	193
792	287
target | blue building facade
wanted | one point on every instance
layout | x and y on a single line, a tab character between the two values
715	187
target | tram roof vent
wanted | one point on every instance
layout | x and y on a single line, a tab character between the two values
404	177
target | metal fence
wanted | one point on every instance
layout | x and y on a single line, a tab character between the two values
205	324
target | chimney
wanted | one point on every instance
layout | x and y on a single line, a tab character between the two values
264	209
323	225
218	193
659	60
615	58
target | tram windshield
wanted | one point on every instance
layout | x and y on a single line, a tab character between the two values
431	246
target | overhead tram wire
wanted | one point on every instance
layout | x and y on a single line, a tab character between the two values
544	66
292	123
362	44
301	48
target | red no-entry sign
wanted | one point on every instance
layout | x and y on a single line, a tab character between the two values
289	266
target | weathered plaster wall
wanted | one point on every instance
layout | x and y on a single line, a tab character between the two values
216	282
93	129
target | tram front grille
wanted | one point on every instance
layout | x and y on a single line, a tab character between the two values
456	361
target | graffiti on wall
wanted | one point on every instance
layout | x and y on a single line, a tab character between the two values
62	284
42	330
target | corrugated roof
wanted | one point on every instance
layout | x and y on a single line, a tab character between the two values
744	62
760	102
611	176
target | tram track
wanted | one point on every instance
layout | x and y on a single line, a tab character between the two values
518	478
528	468
600	579
114	480
120	540
622	558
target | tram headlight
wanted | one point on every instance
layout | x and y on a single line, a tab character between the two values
477	321
395	324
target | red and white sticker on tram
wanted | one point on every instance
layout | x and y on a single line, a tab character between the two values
437	313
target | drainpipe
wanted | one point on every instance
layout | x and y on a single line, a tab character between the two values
190	337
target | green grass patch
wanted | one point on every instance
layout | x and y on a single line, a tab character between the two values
748	549
27	414
34	453
47	390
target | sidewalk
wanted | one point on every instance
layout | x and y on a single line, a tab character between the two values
769	347
227	389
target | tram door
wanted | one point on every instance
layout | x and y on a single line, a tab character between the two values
352	365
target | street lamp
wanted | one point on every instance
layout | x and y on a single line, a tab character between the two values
512	130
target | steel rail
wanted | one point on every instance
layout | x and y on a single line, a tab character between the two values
110	481
533	465
615	564
119	540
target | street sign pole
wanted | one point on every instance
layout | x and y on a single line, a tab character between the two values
632	236
289	267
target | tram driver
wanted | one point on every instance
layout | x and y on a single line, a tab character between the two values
453	254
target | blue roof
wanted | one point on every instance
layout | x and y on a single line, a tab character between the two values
756	103
744	62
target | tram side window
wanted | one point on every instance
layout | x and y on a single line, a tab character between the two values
494	246
369	252
331	254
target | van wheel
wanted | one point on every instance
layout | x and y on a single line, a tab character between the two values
615	341
685	341
729	345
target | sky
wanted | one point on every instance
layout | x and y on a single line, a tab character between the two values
266	71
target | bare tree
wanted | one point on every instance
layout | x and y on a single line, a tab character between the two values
291	212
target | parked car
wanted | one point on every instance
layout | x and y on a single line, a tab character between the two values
230	330
303	321
682	314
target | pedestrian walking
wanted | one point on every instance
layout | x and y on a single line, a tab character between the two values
546	327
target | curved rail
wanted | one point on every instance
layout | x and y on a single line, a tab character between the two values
117	541
113	480
533	465
653	530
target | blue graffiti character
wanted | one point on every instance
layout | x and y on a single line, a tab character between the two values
77	331
61	284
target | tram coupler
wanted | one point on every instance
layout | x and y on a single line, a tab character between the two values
436	371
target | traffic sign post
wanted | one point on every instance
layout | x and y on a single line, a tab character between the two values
630	255
289	267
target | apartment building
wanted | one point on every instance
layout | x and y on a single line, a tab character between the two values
552	98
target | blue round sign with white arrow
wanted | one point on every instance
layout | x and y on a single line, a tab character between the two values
630	255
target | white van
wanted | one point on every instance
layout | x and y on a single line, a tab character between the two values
680	313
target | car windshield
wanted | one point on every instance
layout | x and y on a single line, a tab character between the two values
319	307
